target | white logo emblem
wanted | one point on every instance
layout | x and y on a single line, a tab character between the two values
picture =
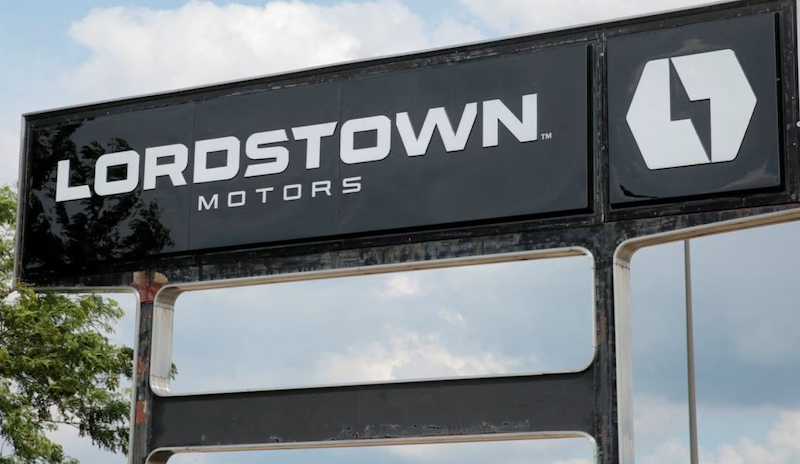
715	76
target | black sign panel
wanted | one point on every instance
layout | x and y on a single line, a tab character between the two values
393	178
680	113
694	110
489	138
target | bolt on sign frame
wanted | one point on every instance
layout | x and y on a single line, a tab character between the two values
339	180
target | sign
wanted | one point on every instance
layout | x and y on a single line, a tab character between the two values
498	137
596	140
572	127
694	110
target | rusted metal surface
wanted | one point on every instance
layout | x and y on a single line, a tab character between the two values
143	395
141	414
147	284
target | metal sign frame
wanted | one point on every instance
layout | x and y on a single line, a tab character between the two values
593	403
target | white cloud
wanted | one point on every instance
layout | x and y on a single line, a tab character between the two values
402	285
519	16
407	355
656	418
452	316
782	447
786	436
672	451
138	50
661	437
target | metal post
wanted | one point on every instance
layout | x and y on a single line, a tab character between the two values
687	262
605	366
142	394
141	419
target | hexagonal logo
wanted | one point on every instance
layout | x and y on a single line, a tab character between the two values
716	77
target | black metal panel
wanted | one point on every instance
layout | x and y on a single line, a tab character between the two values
558	403
76	235
235	194
265	217
511	179
750	41
785	50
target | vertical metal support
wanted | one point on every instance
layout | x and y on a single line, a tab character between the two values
141	419
605	366
161	354
624	350
142	395
687	264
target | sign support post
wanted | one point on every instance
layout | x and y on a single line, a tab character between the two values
142	405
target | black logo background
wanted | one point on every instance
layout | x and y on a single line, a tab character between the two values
758	164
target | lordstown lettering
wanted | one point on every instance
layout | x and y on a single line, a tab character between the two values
267	157
366	151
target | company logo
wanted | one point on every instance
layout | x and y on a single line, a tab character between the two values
715	76
266	156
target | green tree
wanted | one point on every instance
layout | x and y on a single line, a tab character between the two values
57	365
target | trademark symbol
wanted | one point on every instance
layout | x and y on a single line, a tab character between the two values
546	135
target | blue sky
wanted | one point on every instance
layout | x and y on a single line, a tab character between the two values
511	318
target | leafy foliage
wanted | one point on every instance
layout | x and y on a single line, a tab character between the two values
57	365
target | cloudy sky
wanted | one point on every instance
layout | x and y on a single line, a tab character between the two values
494	319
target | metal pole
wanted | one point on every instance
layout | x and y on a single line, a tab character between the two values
143	400
141	419
605	366
687	262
